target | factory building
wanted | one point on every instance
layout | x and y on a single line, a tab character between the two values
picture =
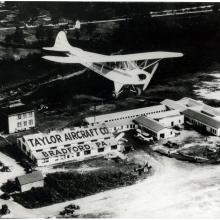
197	114
17	117
154	128
124	120
66	145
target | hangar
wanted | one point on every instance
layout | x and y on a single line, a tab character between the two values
65	145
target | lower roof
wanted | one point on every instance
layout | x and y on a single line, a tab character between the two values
149	123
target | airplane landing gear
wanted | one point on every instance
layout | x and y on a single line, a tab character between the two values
114	95
138	91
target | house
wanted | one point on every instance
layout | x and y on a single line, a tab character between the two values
17	117
30	180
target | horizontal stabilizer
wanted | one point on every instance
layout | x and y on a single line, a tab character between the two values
55	49
59	59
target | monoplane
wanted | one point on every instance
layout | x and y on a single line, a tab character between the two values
131	70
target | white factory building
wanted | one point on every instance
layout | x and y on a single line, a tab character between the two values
65	145
125	120
197	114
17	117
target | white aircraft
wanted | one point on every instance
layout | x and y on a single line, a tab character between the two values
131	70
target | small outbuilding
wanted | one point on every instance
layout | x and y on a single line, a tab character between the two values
30	180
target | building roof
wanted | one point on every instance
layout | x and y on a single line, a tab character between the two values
205	119
173	105
125	114
66	136
164	114
190	102
16	109
93	145
30	178
149	123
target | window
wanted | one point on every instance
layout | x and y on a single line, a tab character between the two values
19	116
101	149
30	122
24	115
114	147
19	124
30	114
87	152
25	123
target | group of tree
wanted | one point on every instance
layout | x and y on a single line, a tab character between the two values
67	186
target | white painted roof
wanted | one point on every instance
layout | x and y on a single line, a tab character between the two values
173	105
94	133
39	155
165	114
149	123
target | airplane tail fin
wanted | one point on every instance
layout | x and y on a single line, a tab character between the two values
61	43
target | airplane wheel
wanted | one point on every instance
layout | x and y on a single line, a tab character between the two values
114	95
138	91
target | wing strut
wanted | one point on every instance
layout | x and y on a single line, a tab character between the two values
151	75
118	87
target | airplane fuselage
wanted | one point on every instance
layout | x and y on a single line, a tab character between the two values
128	77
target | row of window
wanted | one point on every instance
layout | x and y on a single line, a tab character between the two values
134	116
87	152
25	115
214	131
25	123
124	126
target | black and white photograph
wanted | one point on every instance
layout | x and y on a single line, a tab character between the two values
109	109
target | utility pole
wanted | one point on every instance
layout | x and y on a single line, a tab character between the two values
94	114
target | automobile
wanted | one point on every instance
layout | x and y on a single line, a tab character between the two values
170	144
5	169
4	210
72	206
142	137
5	196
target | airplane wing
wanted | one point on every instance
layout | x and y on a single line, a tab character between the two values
114	58
136	57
